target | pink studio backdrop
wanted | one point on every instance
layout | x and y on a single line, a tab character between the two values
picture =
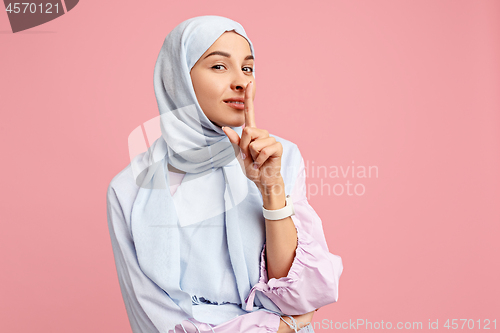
408	88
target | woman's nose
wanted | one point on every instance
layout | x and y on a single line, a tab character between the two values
240	82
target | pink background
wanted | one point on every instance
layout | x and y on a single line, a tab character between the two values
411	87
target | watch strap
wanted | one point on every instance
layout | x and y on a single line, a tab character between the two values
281	213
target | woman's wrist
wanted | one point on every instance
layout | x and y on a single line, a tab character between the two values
284	328
273	195
300	320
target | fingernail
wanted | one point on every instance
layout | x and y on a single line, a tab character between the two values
243	156
255	166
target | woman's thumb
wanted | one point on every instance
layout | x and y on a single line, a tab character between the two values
232	135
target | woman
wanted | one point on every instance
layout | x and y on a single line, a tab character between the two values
231	243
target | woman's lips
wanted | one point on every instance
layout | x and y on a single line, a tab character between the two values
234	105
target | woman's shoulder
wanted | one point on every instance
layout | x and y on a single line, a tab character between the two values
123	185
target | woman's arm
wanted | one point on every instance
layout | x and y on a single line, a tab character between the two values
312	280
281	236
252	322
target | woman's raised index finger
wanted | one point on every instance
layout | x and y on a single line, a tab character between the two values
249	113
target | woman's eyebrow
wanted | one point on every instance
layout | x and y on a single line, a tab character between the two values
225	54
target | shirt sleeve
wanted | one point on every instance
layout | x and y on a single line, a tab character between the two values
253	322
146	303
313	279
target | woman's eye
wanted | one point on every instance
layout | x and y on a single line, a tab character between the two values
217	66
250	69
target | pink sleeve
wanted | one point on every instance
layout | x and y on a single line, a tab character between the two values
313	279
253	322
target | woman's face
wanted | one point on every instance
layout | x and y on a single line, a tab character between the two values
222	76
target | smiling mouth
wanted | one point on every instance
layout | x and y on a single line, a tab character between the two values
236	105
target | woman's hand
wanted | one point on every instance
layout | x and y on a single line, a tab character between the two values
260	156
302	320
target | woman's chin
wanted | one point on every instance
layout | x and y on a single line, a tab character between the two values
234	121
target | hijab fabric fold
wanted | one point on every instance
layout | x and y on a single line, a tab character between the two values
192	143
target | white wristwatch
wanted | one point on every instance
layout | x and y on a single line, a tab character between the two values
282	213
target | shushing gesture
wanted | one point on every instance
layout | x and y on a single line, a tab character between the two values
258	154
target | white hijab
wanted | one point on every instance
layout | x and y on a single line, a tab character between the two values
192	143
